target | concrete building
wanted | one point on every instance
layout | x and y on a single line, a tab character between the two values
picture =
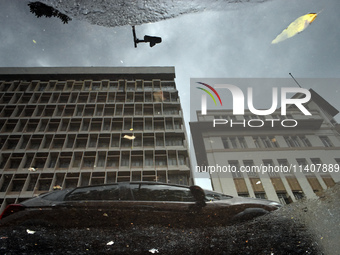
305	159
68	127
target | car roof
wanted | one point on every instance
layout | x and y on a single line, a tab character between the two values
135	182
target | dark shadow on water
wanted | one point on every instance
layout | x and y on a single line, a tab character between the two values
40	9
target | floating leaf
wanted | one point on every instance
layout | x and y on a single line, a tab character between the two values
34	41
129	137
31	232
296	27
57	187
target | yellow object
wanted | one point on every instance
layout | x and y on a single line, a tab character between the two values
296	27
34	41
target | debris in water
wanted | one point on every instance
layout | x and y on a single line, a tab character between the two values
30	232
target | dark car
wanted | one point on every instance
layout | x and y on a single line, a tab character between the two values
136	203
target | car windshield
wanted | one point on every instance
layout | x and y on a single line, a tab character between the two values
213	196
55	195
110	192
145	192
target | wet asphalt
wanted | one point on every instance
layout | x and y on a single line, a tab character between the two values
305	227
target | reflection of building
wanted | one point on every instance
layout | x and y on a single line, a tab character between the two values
313	144
72	127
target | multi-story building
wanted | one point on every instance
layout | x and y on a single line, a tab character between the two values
68	127
305	158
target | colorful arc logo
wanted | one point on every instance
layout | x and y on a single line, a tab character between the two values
212	89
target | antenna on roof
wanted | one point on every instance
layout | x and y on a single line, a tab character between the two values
294	79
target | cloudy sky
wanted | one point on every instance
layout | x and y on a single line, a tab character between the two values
232	42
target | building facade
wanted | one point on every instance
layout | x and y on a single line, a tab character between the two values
302	152
68	127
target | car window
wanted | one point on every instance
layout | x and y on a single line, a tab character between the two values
213	196
146	192
55	195
110	192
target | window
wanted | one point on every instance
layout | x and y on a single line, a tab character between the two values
289	141
53	161
285	165
125	159
161	193
172	161
148	158
136	161
302	163
173	140
273	141
242	142
181	159
256	142
225	143
296	142
326	141
64	162
316	161
160	160
137	142
233	142
88	162
110	192
266	142
235	165
283	198
305	141
160	140
298	195
269	162
249	165
260	195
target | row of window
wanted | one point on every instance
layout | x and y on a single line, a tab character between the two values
89	124
93	97
271	142
96	110
92	159
42	182
282	166
87	85
283	196
136	192
85	141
